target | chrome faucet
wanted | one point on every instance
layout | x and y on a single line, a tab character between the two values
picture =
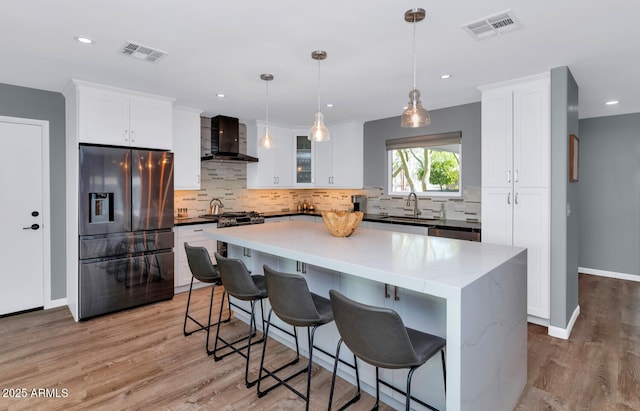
416	212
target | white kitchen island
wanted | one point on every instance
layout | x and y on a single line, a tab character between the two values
473	294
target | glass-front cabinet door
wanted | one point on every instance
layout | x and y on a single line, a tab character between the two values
304	161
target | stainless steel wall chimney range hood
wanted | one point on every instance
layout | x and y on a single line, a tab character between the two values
225	141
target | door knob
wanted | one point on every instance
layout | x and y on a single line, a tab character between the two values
31	227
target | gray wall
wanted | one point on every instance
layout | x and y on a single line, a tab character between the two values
465	118
610	193
45	105
564	195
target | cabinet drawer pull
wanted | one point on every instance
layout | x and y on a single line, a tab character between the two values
198	229
515	176
516	198
508	176
396	297
509	198
386	291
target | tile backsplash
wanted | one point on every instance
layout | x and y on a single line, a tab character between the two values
228	182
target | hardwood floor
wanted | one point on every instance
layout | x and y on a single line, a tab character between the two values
139	359
598	368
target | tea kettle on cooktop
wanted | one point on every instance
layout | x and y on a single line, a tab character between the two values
216	207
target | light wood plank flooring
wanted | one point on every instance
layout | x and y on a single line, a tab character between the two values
598	367
139	359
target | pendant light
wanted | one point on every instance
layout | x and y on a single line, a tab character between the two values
267	139
319	131
415	114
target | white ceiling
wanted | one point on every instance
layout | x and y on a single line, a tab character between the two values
223	46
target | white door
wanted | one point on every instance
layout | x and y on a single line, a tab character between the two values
23	237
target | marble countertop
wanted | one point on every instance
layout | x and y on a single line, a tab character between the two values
437	266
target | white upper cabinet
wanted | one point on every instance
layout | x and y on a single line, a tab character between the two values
304	162
497	138
123	118
516	135
291	163
186	148
339	161
275	166
532	134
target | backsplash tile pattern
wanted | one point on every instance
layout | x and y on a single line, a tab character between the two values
228	182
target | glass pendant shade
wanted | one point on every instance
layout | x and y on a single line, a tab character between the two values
415	115
267	141
319	132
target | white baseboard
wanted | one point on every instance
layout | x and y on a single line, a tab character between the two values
60	302
610	274
538	321
564	333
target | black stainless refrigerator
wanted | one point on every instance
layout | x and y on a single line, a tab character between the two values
125	228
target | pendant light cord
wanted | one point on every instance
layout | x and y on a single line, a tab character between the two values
318	85
267	106
413	50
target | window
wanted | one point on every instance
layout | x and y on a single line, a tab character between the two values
428	165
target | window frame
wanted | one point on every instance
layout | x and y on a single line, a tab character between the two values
423	141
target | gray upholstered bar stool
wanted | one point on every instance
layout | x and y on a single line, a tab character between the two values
361	327
294	304
203	270
239	283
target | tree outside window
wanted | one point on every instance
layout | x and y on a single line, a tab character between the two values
425	164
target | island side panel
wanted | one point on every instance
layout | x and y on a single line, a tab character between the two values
494	337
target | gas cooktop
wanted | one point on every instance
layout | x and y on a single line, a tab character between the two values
234	218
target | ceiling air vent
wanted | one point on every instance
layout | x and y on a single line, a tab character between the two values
142	52
499	23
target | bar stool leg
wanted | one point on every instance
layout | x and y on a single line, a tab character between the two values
261	393
444	371
186	314
375	407
252	326
335	373
207	327
409	376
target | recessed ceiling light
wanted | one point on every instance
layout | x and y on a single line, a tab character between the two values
612	102
445	76
329	105
84	40
221	95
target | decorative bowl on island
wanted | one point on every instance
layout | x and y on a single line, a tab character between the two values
342	223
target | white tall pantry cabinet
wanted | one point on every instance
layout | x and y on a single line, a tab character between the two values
516	163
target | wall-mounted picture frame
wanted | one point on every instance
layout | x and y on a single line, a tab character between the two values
574	157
